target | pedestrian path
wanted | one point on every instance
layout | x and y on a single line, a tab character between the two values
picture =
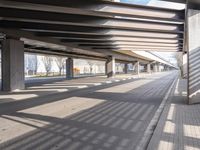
179	124
111	116
59	85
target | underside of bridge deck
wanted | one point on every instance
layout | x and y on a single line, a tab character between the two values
94	29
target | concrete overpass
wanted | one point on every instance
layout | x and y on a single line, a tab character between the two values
94	29
100	113
101	29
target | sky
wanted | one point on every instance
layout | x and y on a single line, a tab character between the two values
143	2
169	56
157	3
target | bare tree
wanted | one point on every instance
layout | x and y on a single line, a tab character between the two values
36	64
91	64
117	67
47	60
31	63
60	61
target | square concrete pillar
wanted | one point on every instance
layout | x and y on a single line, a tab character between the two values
137	67
69	68
193	34
125	68
148	68
159	68
165	68
12	65
110	66
155	68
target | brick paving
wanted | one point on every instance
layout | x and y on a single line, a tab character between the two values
179	124
106	117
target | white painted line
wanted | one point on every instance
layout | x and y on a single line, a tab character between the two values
82	87
108	82
176	90
96	84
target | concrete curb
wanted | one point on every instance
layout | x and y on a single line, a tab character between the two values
152	125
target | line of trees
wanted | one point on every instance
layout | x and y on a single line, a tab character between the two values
44	65
32	64
60	61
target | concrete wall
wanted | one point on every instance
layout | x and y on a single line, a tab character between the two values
193	23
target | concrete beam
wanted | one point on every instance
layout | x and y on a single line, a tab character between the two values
176	1
29	35
12	65
139	47
67	46
98	8
60	30
115	44
76	31
119	39
88	21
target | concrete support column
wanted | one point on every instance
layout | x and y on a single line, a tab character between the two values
193	35
125	68
110	67
69	68
155	68
12	65
137	67
166	68
184	65
159	68
148	68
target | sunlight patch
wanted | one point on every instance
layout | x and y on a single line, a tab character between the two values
124	88
165	145
169	127
17	96
191	131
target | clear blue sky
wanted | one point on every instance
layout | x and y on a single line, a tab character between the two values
136	1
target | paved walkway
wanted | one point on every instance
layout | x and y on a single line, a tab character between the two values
42	87
100	116
179	125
